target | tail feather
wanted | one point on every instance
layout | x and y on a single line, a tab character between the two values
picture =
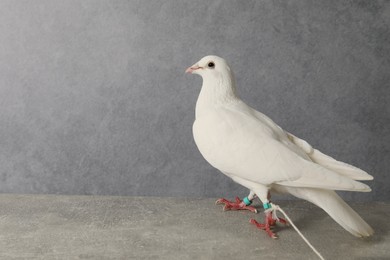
338	209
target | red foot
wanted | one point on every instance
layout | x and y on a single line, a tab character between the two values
269	223
238	205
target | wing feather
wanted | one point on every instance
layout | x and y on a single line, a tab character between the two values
330	163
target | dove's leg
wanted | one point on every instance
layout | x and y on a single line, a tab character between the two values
262	192
277	219
270	220
270	214
239	204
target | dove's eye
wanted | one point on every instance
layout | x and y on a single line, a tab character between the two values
211	65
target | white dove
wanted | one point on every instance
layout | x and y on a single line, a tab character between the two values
255	152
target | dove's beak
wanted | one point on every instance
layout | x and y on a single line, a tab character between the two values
193	68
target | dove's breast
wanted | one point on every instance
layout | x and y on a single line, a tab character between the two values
222	137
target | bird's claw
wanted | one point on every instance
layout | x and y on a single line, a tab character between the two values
266	227
237	205
269	223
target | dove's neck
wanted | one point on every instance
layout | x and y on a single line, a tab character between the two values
215	93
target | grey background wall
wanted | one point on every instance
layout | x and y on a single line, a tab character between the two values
94	99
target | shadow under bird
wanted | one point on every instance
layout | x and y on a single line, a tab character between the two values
254	151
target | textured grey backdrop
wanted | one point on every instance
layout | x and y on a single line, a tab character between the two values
94	99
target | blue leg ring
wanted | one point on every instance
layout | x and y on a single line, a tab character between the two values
247	201
266	205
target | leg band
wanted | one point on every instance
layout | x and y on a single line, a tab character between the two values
247	201
266	205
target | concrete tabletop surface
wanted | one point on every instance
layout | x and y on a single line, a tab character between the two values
100	227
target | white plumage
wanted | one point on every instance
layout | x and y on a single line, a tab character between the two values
255	152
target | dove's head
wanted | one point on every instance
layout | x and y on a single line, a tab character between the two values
210	67
218	83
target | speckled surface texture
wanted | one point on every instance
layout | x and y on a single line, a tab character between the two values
96	227
94	99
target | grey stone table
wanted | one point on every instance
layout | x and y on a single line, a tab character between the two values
95	227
